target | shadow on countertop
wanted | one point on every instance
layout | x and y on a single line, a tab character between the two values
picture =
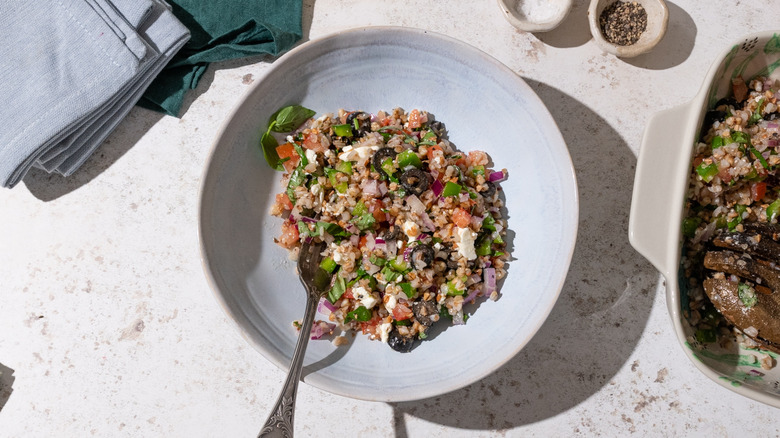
6	384
675	47
602	310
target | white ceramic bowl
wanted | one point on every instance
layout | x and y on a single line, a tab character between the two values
655	225
657	21
484	105
535	15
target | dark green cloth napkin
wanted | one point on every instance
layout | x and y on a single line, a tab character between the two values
222	30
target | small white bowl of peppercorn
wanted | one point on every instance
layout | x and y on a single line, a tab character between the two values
627	28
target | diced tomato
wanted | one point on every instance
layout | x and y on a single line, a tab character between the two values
362	242
369	327
376	209
697	161
462	162
312	141
348	294
461	218
284	200
290	236
287	150
758	190
431	150
401	312
415	120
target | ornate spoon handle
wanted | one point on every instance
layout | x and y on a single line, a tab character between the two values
280	422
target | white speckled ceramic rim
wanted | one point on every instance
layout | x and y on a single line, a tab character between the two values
518	20
496	343
659	186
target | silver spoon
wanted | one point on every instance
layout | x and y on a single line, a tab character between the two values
316	281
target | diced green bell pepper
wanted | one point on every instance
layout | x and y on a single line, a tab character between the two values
689	226
772	210
328	265
707	171
343	130
408	158
451	189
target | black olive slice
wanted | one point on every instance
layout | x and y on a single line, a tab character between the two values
379	157
360	123
421	256
391	233
490	190
425	312
399	342
437	127
416	181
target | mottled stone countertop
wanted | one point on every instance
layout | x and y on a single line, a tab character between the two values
109	328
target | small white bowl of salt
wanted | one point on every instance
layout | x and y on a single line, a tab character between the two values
535	15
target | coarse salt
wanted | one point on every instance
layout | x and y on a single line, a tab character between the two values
538	10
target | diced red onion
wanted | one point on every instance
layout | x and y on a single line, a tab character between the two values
437	187
372	268
382	188
381	247
307	220
373	117
352	229
497	176
322	328
370	242
435	174
476	221
371	187
771	143
354	239
772	125
391	248
490	280
407	252
325	307
415	204
705	234
422	236
463	197
327	238
472	295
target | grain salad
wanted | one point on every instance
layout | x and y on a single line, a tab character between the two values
731	235
413	227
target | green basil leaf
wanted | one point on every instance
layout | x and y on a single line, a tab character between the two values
296	179
291	117
359	314
333	229
338	289
268	143
302	154
364	221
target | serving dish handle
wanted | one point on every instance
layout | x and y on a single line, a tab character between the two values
654	223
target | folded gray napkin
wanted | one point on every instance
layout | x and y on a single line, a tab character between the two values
72	70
